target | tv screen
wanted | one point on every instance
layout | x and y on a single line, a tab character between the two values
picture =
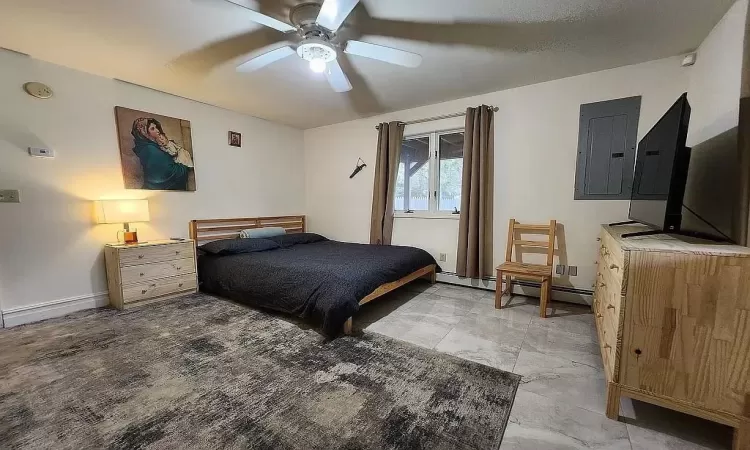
661	170
713	204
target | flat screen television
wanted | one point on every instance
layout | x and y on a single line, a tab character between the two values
661	169
663	173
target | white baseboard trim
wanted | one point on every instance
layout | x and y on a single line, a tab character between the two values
56	308
531	289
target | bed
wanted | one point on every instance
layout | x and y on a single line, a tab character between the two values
302	274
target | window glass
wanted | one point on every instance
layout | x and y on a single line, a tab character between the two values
413	180
450	170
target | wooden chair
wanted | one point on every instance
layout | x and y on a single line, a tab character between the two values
533	272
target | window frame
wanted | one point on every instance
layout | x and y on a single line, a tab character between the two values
433	167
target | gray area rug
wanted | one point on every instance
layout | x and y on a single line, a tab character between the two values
202	372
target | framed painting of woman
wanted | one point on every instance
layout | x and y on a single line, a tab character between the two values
156	151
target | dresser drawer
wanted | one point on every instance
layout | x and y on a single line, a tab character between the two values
607	345
146	272
610	249
610	264
158	288
607	303
610	301
156	253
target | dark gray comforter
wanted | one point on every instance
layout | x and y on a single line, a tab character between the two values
323	280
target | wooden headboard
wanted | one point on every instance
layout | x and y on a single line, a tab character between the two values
204	230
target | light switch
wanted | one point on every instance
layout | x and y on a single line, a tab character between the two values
10	196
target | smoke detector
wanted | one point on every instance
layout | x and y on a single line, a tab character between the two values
318	52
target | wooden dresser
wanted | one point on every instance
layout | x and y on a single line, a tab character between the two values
150	271
673	317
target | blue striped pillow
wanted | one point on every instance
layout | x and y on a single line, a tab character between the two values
262	232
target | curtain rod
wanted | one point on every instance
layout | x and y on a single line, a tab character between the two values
431	119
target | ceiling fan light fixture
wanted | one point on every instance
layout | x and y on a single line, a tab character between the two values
317	24
318	65
317	52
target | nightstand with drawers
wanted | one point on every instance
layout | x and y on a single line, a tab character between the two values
150	271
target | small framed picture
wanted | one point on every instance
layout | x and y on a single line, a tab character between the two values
235	139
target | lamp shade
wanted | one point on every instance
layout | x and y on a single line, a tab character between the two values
121	211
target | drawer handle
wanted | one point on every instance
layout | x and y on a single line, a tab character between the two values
602	284
178	268
144	291
177	252
599	315
179	285
153	285
614	266
610	306
142	274
598	239
140	256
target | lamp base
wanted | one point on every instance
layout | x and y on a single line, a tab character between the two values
130	237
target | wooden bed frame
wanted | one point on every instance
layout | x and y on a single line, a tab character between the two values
206	230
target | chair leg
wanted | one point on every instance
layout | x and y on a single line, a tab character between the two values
499	290
509	286
544	298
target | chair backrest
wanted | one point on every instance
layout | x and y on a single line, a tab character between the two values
549	244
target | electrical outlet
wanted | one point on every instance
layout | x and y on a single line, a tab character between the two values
443	257
560	269
573	271
10	196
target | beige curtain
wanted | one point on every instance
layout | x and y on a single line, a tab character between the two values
475	225
386	168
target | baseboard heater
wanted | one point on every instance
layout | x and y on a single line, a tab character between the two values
564	293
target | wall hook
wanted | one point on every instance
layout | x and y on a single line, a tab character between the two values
360	165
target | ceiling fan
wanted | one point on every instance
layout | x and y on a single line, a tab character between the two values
316	27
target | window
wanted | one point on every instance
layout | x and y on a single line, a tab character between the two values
429	173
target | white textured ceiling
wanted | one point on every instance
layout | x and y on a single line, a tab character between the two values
166	45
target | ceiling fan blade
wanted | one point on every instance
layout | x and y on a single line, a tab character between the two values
265	59
508	35
382	53
263	19
362	98
337	78
333	13
203	60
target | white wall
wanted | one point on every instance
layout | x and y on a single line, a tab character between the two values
714	94
49	248
716	78
536	138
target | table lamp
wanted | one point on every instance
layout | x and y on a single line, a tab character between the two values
124	212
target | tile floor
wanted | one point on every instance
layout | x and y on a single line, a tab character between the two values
560	402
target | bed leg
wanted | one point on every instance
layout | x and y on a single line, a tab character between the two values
348	327
433	276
